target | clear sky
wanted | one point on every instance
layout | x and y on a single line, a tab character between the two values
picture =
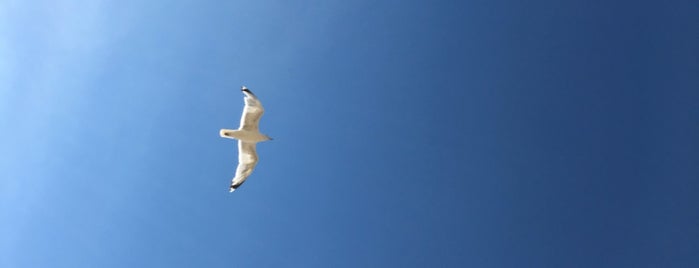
406	133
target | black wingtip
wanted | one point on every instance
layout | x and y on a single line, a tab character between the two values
244	88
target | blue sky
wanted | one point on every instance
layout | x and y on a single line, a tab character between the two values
407	134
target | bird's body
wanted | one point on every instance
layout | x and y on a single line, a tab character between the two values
244	135
248	135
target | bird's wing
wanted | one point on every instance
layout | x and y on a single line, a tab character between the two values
252	112
247	160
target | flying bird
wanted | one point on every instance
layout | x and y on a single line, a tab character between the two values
248	135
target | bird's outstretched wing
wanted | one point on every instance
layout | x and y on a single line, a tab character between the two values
247	160
252	112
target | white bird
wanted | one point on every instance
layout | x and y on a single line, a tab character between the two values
248	135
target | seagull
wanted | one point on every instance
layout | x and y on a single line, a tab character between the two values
248	135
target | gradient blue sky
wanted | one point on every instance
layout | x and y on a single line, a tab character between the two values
407	133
